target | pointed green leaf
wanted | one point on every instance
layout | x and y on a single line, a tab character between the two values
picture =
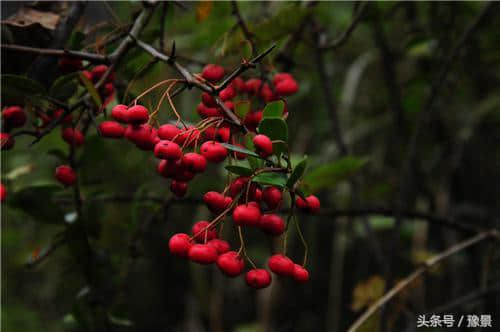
239	170
274	110
297	173
239	149
271	178
274	128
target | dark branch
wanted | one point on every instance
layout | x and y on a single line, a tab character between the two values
94	58
241	22
347	33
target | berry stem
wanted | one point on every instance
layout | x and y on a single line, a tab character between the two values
301	236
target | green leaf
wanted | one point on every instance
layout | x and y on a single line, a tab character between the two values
271	178
240	170
239	149
16	89
254	162
297	173
274	128
65	86
330	174
37	202
91	89
242	108
274	110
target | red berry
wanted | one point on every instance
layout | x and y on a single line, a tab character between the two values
220	245
246	215
253	85
231	263
238	84
281	265
281	77
88	75
287	87
216	202
66	175
208	112
60	113
73	136
258	278
189	136
201	232
6	141
213	151
272	196
263	145
119	113
108	89
169	168
311	204
300	274
178	188
168	132
267	94
183	175
272	224
179	244
3	193
202	254
221	134
194	162
98	72
208	100
13	117
111	129
168	150
213	73
137	115
252	120
237	185
227	93
142	136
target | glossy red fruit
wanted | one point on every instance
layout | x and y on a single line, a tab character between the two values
179	244
272	224
184	175
3	193
267	93
237	185
69	64
66	175
194	162
216	202
263	145
189	136
227	93
287	87
168	132
178	188
202	254
208	112
202	233
281	265
111	129
208	100
238	84
119	113
221	134
60	113
231	264
137	115
311	204
258	278
253	86
169	168
229	104
272	196
252	120
73	136
246	215
281	77
98	72
13	117
6	141
168	150
212	73
213	151
220	245
300	274
142	136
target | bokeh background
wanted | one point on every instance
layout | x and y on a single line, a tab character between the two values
371	88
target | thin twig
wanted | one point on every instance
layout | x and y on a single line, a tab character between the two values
92	57
244	27
429	263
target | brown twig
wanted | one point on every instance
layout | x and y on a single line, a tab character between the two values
92	57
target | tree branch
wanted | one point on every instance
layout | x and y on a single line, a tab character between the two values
248	35
429	263
347	33
92	57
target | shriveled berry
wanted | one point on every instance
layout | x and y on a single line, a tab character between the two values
281	265
212	73
179	244
231	263
272	197
263	145
178	188
220	245
213	151
300	274
201	231
73	136
272	224
137	115
246	215
66	175
202	254
111	129
119	113
168	150
258	278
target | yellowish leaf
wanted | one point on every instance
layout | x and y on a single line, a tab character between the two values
367	292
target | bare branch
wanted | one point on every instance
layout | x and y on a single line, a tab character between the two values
94	58
241	22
